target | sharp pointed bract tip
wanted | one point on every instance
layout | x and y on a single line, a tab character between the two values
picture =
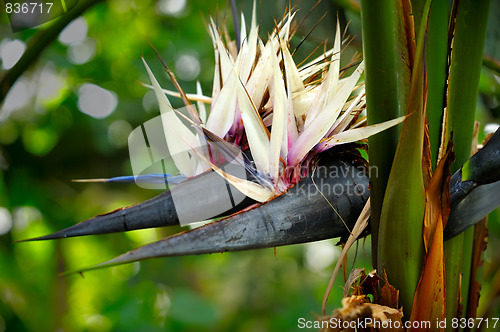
53	236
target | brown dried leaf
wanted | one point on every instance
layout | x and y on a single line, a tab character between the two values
388	296
427	156
385	314
437	197
409	28
430	297
361	283
357	311
353	277
429	301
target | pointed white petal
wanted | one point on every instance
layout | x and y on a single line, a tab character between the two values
295	84
320	126
291	134
358	134
259	79
174	129
257	134
201	106
222	114
226	63
332	78
330	83
315	65
354	108
243	30
250	49
349	110
279	119
217	80
247	188
284	32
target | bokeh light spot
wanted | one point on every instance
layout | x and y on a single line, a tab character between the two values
51	83
10	52
320	255
18	97
171	7
96	101
83	52
24	216
5	221
75	32
187	66
490	128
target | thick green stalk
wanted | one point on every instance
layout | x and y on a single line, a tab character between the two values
387	81
466	267
401	246
436	61
417	9
453	249
465	69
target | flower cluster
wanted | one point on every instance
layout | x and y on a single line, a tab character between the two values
262	101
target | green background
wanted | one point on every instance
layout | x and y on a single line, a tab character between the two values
46	141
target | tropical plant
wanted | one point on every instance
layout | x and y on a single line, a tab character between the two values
276	120
446	94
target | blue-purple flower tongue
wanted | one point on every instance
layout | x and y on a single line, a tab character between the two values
153	178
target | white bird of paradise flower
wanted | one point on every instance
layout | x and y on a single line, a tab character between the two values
263	101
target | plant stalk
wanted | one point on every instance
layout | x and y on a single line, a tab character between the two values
387	81
465	68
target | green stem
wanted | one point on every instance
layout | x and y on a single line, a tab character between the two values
400	246
465	69
417	10
387	79
466	267
453	249
436	60
492	64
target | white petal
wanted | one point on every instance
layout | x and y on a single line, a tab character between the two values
257	134
330	83
201	106
223	110
320	126
176	133
247	188
279	119
358	134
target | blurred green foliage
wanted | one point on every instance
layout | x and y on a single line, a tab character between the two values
46	141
